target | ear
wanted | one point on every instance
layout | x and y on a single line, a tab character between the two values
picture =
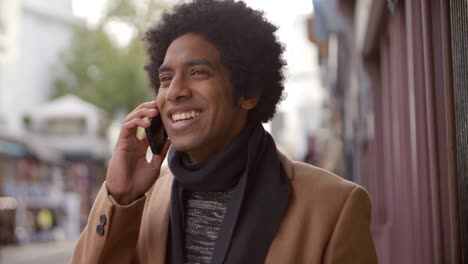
249	104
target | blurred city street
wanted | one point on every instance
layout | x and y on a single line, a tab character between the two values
38	253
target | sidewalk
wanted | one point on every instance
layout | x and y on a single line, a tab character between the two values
38	253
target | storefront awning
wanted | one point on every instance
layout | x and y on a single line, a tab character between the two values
12	148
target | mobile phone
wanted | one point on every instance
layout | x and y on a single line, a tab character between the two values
156	135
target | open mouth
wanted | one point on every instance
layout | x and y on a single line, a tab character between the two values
177	117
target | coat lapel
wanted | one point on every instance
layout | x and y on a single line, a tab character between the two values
159	218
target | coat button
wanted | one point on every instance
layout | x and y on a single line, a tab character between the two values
100	230
102	219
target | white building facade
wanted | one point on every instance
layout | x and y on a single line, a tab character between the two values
33	33
9	23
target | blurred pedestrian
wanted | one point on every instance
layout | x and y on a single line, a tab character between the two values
228	195
332	156
311	152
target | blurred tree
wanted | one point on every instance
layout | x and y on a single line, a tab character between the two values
99	69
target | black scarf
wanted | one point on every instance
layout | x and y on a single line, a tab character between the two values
258	202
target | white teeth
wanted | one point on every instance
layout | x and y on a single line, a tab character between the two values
185	115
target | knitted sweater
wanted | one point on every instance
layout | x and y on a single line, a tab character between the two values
204	213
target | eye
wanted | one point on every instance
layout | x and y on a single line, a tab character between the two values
199	74
165	80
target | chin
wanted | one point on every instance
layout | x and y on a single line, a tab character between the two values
183	145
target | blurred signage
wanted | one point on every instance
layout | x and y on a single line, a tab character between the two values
12	148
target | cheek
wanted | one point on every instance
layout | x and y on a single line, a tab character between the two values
160	99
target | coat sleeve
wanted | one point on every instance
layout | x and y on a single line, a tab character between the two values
351	241
111	233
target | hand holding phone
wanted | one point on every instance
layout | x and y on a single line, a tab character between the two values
156	135
130	174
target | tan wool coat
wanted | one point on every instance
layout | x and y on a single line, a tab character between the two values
327	221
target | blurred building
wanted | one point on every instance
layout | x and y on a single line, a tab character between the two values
73	127
77	131
31	182
52	155
396	74
298	116
32	35
12	152
52	173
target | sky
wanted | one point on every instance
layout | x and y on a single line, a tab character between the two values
90	10
276	10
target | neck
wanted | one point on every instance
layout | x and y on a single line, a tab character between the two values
205	175
204	154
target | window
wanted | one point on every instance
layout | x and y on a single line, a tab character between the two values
66	126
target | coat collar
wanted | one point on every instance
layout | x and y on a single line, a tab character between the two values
288	165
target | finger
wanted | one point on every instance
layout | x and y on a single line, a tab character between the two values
140	113
130	127
150	105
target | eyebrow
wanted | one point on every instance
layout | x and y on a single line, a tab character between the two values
195	62
190	63
164	68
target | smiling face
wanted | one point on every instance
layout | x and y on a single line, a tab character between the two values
195	98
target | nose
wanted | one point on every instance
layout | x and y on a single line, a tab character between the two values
178	89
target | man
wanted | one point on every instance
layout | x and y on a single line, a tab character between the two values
228	195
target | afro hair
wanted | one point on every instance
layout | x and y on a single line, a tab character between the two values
247	42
